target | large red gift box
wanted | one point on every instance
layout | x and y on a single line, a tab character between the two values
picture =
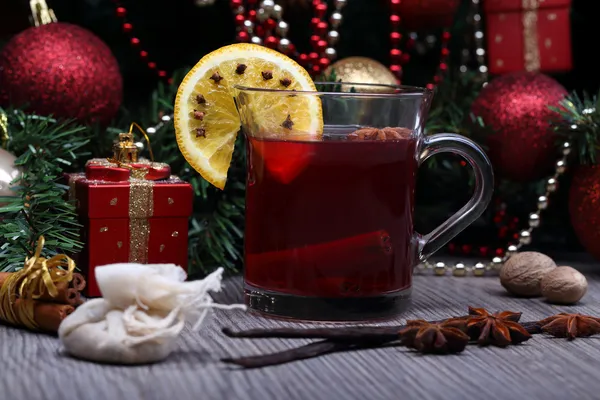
137	215
528	35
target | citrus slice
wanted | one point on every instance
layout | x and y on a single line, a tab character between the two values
206	118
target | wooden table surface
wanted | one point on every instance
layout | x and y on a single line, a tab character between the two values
34	366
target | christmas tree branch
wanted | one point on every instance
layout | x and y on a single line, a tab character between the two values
451	107
579	123
45	148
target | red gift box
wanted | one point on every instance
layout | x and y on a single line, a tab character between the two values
136	213
528	35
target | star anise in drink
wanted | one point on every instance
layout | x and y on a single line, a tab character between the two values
379	134
439	338
498	329
570	326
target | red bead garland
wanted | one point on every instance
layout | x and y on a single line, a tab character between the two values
508	230
444	55
265	29
397	57
135	42
272	31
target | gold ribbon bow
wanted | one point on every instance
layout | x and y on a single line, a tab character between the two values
38	276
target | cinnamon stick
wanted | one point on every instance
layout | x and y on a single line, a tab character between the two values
48	316
337	261
66	295
78	282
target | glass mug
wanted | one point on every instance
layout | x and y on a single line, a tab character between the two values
329	220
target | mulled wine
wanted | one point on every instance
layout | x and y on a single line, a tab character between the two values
330	218
330	198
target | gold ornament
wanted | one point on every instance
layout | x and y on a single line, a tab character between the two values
362	70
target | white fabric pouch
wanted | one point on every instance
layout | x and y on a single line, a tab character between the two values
143	310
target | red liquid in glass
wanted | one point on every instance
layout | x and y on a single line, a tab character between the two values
331	218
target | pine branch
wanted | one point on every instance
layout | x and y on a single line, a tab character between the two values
45	148
579	123
451	108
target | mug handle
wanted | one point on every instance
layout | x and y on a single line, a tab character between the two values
484	188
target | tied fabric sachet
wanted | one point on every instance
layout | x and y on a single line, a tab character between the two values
141	313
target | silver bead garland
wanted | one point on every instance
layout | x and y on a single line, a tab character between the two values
474	18
270	9
525	236
151	130
163	120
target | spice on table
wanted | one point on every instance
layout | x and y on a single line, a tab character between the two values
439	338
67	292
498	329
564	285
570	326
299	353
30	297
522	273
354	333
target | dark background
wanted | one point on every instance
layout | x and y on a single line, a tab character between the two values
177	33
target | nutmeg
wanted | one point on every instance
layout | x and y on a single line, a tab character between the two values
522	273
564	285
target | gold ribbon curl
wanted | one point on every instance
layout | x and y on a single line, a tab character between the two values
38	276
4	137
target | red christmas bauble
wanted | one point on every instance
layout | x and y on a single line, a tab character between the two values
61	70
584	207
425	14
515	107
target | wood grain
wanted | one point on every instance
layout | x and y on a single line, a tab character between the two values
542	368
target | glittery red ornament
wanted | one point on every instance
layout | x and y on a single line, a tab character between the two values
426	14
62	70
584	207
515	107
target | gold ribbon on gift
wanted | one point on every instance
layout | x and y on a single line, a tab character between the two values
38	276
530	34
73	178
141	204
141	208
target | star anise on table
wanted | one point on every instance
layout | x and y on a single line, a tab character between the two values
570	326
498	329
439	338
